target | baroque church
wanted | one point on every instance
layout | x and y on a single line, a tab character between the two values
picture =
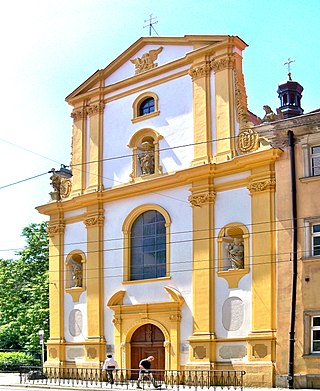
163	242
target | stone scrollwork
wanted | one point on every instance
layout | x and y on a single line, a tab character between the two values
55	228
146	61
223	63
95	108
268	184
175	317
78	114
200	199
200	71
94	219
248	141
116	321
61	186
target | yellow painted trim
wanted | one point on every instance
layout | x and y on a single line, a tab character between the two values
165	315
203	284
174	294
142	133
146	116
117	298
141	98
126	228
146	280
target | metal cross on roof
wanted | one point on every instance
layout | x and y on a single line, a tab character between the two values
288	62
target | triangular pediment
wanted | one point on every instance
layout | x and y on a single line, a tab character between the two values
146	54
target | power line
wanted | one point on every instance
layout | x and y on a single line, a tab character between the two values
171	242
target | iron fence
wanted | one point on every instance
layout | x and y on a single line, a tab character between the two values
127	378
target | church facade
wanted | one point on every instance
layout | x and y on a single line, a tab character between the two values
163	242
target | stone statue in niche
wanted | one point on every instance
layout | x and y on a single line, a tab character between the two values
146	158
235	251
76	272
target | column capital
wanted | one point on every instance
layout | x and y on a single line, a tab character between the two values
262	185
200	199
222	63
55	227
201	70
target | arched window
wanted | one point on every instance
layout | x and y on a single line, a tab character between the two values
148	246
146	106
146	243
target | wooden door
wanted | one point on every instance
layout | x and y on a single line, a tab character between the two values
147	341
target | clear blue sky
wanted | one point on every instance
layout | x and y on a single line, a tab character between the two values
50	47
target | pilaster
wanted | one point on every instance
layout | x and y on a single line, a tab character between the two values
78	152
55	343
95	348
262	189
94	166
200	74
223	66
202	350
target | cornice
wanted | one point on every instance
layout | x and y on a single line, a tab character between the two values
210	44
277	132
179	178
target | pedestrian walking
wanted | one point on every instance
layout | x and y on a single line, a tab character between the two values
144	371
109	366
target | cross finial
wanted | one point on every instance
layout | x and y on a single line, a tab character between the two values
288	62
151	23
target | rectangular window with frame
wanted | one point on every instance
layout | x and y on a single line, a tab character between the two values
315	233
315	334
315	160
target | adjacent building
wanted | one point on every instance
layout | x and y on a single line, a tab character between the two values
297	174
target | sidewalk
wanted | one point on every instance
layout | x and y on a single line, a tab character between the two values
13	379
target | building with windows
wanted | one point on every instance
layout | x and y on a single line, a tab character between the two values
298	238
164	241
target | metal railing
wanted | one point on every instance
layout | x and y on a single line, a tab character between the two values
127	378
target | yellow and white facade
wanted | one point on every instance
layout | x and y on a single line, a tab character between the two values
210	182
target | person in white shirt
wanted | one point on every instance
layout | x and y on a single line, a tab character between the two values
110	365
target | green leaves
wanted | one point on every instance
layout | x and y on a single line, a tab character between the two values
24	298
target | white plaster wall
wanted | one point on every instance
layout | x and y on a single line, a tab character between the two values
232	206
168	54
75	239
74	213
175	203
175	124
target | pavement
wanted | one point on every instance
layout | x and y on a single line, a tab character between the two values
12	381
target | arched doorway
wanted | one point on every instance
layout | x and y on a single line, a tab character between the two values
146	341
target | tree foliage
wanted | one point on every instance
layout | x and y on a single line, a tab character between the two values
24	297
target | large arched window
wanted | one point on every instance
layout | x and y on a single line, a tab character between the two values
146	243
148	246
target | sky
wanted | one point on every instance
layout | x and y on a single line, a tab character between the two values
48	48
